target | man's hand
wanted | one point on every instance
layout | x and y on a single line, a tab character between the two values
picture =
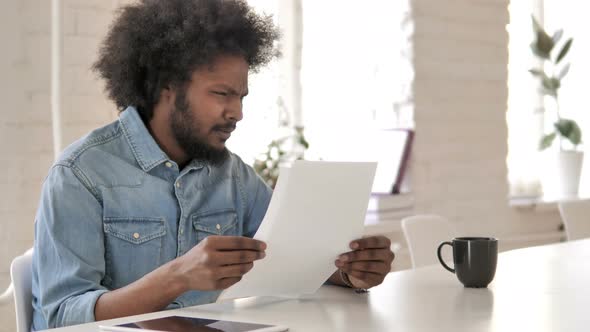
368	263
218	262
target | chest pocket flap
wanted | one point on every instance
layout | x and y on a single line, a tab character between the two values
217	222
135	230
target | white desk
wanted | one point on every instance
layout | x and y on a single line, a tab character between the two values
535	289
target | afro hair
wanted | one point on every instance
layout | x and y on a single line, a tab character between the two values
156	44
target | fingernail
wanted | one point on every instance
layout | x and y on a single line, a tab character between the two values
354	245
263	246
262	254
338	263
343	258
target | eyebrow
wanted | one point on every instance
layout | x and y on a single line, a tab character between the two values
232	90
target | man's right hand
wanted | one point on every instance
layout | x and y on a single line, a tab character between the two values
218	262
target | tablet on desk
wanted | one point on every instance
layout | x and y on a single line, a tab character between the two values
189	324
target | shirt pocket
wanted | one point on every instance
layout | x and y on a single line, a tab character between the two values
217	222
133	248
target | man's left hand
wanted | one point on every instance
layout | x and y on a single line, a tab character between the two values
369	261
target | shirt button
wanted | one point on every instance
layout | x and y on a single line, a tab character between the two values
177	184
181	231
136	235
218	226
168	164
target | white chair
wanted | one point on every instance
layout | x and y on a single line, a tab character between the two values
424	233
576	218
6	297
20	272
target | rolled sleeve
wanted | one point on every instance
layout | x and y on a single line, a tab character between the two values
79	309
68	261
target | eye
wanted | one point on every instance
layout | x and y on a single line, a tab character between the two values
221	93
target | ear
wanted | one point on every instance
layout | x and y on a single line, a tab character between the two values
166	101
167	96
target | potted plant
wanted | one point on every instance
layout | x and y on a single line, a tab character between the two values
280	152
550	74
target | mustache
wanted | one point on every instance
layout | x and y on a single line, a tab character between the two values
230	126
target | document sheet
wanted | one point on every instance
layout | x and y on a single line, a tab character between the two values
316	210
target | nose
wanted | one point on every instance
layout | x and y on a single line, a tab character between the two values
234	110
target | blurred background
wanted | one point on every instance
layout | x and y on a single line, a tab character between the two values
455	72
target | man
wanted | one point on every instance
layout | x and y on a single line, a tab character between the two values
152	211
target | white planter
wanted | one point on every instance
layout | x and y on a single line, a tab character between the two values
569	170
561	179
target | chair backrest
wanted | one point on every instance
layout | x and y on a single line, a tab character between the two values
20	272
7	297
576	218
423	234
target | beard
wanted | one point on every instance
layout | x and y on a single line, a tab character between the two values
185	129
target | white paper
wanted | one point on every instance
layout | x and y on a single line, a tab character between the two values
316	210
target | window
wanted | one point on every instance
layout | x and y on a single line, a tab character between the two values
526	118
262	105
355	79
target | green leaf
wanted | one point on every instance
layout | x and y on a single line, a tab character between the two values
557	36
563	127
303	142
537	72
563	71
538	52
544	44
569	129
546	141
550	86
551	83
539	45
564	50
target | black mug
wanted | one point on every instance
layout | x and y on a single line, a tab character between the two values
475	260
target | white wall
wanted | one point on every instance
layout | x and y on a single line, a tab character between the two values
26	148
25	128
460	92
459	157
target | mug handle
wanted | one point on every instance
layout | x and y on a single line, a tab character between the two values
440	257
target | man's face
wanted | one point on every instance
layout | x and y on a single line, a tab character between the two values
207	112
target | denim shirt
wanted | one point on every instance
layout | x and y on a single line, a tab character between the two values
114	207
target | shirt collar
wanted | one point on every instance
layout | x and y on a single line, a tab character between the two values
195	164
145	149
